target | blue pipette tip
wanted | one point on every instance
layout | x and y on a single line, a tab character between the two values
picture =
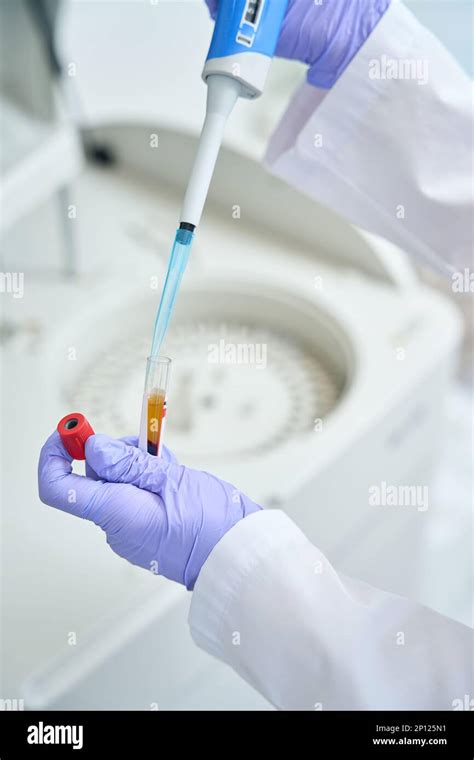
176	266
184	236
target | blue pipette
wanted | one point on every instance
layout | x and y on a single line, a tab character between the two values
244	41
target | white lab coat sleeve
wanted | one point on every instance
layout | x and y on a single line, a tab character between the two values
392	155
269	604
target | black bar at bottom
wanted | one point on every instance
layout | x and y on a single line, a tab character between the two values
328	734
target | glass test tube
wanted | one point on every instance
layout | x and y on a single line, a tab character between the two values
154	404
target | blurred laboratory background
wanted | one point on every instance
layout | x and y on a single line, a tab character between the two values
368	369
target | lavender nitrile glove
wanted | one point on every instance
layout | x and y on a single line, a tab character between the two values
156	513
326	35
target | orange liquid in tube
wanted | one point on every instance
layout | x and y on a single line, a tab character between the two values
156	413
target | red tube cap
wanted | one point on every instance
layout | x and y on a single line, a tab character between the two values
74	430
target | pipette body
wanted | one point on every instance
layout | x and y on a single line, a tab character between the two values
242	46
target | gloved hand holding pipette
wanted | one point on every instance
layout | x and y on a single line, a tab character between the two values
326	36
155	512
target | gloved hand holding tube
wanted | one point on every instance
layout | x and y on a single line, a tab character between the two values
156	513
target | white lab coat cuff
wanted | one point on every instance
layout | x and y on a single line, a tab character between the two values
236	556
